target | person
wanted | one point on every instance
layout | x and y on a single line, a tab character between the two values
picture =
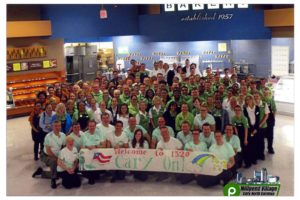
149	97
36	134
170	115
92	139
42	97
70	108
54	141
125	96
171	74
220	115
51	94
264	115
105	128
241	126
186	68
115	78
45	122
203	118
129	130
185	135
97	94
123	115
184	115
142	118
169	143
207	135
76	135
102	109
223	151
194	145
230	109
156	135
82	116
234	141
133	106
252	113
114	110
156	111
62	116
67	164
117	140
269	100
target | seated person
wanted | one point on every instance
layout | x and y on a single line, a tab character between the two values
67	164
156	136
185	135
207	135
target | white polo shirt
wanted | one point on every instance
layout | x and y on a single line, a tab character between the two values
68	157
172	144
55	142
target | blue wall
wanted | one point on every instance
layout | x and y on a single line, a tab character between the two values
285	42
81	23
168	26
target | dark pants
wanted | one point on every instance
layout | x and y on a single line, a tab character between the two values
50	162
118	174
261	142
238	160
269	134
185	178
70	180
140	175
38	139
244	155
208	181
252	148
91	175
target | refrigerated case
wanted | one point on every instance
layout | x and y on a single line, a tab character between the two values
81	63
284	95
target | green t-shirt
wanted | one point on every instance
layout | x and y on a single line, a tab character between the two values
180	118
234	141
208	140
157	136
238	121
98	97
133	110
124	99
88	139
184	138
195	147
223	152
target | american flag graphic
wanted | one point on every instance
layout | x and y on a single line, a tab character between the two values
100	157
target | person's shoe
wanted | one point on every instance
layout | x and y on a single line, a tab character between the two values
91	181
113	180
254	162
262	157
36	158
39	171
271	151
53	183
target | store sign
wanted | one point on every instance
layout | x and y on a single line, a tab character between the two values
9	67
185	7
176	161
35	65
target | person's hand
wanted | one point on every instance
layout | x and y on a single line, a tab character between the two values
245	142
117	146
70	171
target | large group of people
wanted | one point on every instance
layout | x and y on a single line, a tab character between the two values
169	107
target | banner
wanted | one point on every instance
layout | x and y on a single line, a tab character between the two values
176	161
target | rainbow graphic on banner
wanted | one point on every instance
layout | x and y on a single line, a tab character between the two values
200	159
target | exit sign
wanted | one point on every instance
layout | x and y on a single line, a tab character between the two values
103	14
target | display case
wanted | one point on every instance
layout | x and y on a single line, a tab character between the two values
284	95
23	90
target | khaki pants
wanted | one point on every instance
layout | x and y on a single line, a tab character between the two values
52	163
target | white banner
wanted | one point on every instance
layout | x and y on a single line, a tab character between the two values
176	161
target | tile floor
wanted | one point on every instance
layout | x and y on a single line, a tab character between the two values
20	166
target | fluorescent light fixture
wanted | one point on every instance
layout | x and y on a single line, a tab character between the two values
243	5
169	7
183	7
198	6
213	6
123	50
228	5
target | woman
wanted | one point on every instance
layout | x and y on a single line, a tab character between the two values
42	97
81	96
149	96
241	126
139	142
34	119
45	122
170	114
70	107
196	106
123	115
62	116
142	118
82	116
114	110
133	106
253	139
164	97
156	111
67	164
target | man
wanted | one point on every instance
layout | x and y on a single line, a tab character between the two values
76	135
156	70
170	143
156	134
115	79
117	140
105	127
92	139
223	151
184	116
51	95
98	96
186	68
203	118
185	135
207	136
132	126
54	141
125	96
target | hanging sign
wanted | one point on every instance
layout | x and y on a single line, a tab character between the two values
176	161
